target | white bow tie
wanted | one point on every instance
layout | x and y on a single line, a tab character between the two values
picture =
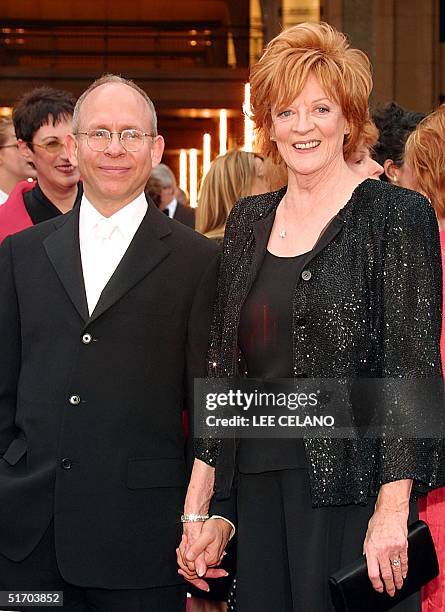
104	228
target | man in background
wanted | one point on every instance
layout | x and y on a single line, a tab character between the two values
13	167
168	197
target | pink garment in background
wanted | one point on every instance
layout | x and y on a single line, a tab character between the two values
432	508
13	214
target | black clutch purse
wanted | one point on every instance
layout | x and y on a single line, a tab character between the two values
352	591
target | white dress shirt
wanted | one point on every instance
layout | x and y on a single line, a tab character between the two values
171	208
3	197
104	241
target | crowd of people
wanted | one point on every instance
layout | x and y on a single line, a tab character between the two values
318	256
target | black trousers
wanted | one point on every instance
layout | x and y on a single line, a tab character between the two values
287	549
39	571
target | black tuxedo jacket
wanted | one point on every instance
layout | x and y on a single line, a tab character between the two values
185	215
90	406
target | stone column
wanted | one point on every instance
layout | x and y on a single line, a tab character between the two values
271	18
401	38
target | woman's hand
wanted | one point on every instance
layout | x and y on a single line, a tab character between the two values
386	543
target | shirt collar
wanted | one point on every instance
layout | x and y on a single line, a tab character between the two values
127	219
171	207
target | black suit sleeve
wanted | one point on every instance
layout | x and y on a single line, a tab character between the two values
10	347
199	328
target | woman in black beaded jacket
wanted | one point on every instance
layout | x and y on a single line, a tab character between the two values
326	278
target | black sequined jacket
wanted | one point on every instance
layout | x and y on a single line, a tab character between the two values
368	303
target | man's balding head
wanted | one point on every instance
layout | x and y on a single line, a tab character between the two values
114	79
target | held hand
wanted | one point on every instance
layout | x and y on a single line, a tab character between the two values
386	549
192	576
201	550
192	532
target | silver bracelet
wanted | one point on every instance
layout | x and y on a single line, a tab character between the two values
194	518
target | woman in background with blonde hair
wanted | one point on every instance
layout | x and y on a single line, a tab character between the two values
231	176
425	162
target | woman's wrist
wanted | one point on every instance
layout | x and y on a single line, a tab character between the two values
394	496
200	507
200	490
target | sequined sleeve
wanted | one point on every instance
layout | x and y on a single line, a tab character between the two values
207	449
411	324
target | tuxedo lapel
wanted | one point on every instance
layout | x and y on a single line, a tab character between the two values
146	251
62	248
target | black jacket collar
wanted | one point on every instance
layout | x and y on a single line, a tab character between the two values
145	252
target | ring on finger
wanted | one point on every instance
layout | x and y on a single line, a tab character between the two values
396	563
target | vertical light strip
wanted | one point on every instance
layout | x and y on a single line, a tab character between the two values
193	169
183	170
205	154
248	123
222	131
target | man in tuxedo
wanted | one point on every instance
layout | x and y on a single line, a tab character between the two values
104	318
168	201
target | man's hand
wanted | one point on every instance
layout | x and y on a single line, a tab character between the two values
201	551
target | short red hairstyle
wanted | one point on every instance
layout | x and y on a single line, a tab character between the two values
290	58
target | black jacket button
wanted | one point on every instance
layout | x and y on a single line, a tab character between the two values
66	463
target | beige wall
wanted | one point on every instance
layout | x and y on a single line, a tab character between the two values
401	38
417	53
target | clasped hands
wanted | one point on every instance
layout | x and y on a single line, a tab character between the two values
202	546
201	551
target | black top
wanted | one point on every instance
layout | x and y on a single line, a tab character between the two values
265	339
40	208
265	336
370	290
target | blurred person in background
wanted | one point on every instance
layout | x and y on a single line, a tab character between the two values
153	190
425	160
13	167
395	124
182	197
361	161
231	176
169	203
42	119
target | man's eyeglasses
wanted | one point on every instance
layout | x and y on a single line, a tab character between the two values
9	146
51	147
131	140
